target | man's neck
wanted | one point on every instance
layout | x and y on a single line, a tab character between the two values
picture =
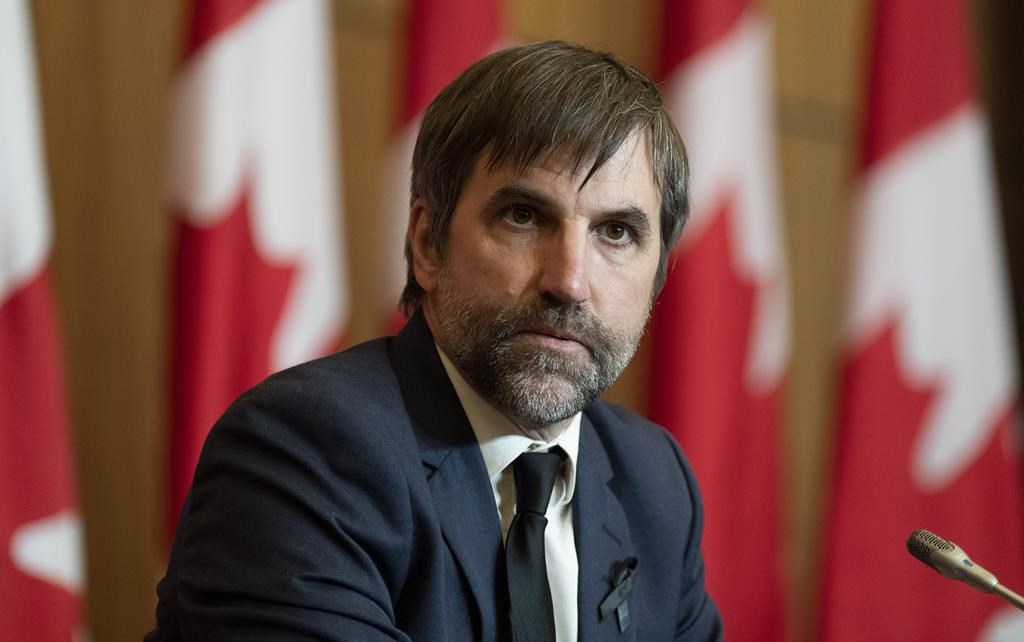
540	433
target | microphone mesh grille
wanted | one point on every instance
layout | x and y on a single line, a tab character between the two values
921	543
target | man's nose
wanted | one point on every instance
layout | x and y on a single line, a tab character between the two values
565	270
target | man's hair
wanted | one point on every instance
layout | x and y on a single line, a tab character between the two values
521	104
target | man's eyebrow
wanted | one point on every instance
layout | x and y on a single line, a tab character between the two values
516	192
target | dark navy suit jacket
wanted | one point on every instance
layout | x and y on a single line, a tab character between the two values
347	499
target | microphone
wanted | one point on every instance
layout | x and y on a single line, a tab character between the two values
951	561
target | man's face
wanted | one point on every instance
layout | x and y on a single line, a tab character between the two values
544	287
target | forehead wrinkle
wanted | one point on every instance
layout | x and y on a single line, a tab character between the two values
569	153
523	183
565	161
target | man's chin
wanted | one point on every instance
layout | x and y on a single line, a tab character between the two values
543	399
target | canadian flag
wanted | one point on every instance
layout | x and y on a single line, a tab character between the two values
444	37
720	331
259	283
41	571
928	400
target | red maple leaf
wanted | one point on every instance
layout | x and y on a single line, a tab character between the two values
228	301
701	336
873	588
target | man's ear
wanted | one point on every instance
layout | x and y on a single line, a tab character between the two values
425	260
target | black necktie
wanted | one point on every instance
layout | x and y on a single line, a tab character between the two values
533	617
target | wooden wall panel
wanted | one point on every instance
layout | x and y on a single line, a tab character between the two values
104	70
819	53
630	29
367	54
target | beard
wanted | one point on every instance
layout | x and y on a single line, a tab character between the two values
534	384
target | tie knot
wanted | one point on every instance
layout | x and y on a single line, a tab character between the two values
535	475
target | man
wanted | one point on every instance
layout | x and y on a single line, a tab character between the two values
459	481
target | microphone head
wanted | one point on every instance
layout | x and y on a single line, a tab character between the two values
949	559
921	543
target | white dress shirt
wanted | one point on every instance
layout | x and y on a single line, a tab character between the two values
501	442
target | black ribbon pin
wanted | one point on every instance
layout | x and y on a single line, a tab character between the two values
622	575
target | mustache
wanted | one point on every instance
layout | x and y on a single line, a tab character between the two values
572	321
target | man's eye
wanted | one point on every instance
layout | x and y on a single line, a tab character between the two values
520	215
617	232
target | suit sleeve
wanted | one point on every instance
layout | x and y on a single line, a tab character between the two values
279	541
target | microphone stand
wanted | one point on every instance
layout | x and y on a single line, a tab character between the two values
1009	596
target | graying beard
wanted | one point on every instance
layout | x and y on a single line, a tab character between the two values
522	381
541	388
533	395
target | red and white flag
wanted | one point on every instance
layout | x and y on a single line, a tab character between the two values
444	37
928	399
259	281
720	330
41	571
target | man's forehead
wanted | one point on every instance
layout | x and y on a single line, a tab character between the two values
633	156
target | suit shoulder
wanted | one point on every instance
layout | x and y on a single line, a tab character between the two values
360	369
360	376
348	398
628	428
639	448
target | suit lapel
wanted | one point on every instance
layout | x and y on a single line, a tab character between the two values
469	522
455	469
602	536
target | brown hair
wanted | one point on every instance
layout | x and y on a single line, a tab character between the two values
533	100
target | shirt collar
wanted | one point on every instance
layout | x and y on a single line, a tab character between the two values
501	441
